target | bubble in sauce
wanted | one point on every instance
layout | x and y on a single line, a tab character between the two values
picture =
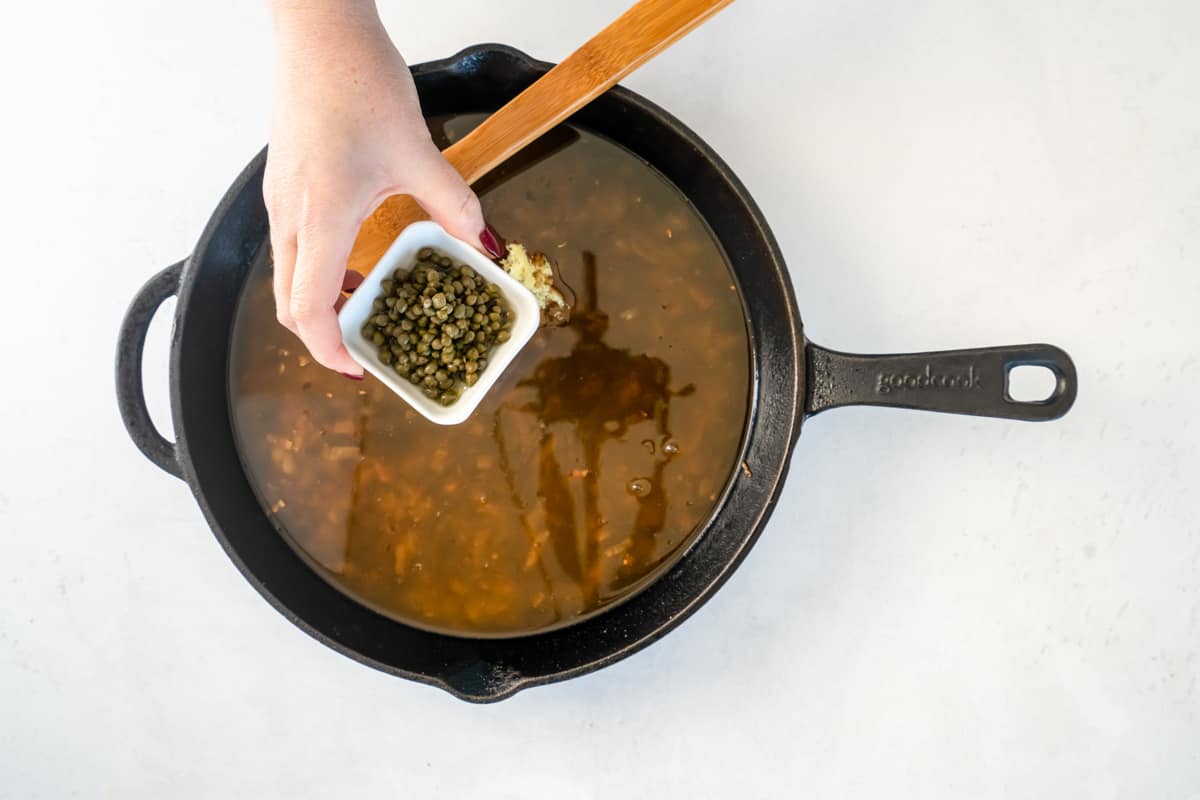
640	487
670	447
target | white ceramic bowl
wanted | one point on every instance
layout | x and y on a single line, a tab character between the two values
403	254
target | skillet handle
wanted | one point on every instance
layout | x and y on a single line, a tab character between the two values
971	382
130	395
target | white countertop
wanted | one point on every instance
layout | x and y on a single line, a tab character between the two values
940	607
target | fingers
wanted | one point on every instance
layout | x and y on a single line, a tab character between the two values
323	244
283	257
449	201
311	241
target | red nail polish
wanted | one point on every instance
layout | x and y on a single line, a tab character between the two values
492	242
351	377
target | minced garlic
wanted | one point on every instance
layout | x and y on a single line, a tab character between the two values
534	272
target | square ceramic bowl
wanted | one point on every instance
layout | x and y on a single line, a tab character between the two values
402	255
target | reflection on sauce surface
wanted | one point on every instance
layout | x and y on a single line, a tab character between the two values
585	469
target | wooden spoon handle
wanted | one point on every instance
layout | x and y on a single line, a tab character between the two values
630	41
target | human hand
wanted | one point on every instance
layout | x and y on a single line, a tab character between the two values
346	133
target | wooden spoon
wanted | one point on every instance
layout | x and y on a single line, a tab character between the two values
634	38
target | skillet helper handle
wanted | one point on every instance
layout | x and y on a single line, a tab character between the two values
131	396
971	382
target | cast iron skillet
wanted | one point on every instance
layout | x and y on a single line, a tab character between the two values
791	379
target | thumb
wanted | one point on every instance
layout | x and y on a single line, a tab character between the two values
449	201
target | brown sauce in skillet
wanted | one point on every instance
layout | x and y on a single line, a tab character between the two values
585	470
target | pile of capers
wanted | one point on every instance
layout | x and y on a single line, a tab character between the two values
436	324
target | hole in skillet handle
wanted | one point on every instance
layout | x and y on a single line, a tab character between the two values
402	255
1030	383
1034	363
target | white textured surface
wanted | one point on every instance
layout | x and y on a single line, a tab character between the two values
941	607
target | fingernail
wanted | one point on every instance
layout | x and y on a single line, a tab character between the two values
351	377
491	242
